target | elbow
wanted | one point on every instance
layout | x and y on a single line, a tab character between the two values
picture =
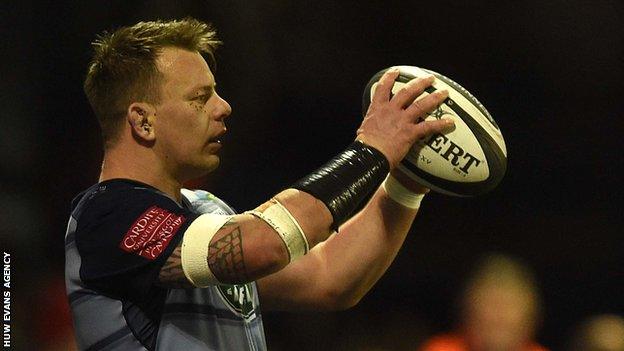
267	256
276	257
343	305
340	299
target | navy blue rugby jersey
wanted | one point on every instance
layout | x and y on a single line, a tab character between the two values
120	233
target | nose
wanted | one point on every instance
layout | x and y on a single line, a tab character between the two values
223	108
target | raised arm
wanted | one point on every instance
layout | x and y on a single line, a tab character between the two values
247	247
336	274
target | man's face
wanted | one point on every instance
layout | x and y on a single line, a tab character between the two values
498	318
190	117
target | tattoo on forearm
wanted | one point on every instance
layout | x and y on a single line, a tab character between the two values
225	255
171	274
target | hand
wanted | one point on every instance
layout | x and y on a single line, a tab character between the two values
392	125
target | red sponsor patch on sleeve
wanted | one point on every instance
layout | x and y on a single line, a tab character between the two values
151	233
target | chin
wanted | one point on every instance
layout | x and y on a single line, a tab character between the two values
210	164
202	168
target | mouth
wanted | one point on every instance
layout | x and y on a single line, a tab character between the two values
217	138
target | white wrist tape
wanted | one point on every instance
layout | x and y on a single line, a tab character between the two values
401	194
282	221
195	249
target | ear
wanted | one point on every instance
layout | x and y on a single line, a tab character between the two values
141	118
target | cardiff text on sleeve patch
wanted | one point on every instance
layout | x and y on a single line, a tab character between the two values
150	234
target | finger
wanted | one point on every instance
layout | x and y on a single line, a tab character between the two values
428	128
384	87
412	90
423	106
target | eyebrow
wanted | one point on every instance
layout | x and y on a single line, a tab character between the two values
207	88
203	88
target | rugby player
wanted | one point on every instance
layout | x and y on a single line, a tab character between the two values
153	266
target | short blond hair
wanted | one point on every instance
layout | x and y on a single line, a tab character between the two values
123	68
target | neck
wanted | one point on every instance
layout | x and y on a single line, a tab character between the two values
142	166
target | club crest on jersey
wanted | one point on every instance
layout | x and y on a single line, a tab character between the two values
239	299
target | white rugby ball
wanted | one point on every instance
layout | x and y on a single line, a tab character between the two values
468	161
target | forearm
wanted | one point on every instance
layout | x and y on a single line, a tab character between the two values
246	247
338	272
304	214
366	246
259	239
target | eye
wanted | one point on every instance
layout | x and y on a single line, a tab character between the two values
203	98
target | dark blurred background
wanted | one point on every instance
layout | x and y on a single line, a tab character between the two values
550	72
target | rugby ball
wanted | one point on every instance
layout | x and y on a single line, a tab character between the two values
467	161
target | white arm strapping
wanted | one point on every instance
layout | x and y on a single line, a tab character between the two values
282	221
401	194
195	249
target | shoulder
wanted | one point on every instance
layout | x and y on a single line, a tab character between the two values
116	194
122	200
125	231
202	201
128	215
